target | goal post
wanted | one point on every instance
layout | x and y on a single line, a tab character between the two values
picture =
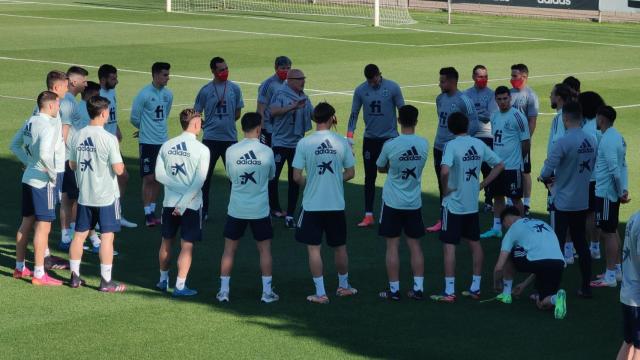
377	12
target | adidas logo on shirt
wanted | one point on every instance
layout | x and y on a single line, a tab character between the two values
27	130
249	158
411	154
87	145
585	147
326	148
180	150
471	155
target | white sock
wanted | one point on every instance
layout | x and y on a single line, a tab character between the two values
66	236
19	265
147	210
526	201
47	253
319	282
618	268
595	245
394	286
418	283
450	285
553	299
72	226
475	283
343	281
368	214
152	206
224	283
288	217
610	276
506	287
497	225
38	272
180	283
105	272
266	285
164	275
95	240
74	266
568	250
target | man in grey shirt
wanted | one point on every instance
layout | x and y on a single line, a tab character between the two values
630	290
571	159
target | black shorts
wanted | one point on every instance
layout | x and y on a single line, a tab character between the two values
607	213
265	137
508	183
394	221
526	162
631	325
457	226
190	224
592	196
312	225
261	228
69	185
148	156
548	272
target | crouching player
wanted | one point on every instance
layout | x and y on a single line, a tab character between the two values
95	158
531	246
181	167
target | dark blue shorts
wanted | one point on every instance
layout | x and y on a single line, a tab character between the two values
394	221
69	184
508	183
107	216
313	224
190	224
607	215
261	228
631	325
148	156
40	203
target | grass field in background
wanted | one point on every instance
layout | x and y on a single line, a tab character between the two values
61	322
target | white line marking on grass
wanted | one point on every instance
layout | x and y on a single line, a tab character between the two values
16	98
263	33
16	2
512	37
532	77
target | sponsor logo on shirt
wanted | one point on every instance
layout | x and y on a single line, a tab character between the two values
86	165
472	173
471	155
178	169
326	148
180	150
27	150
246	177
585	147
497	138
324	167
249	158
584	166
87	145
407	173
411	154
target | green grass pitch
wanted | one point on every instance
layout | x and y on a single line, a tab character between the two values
65	323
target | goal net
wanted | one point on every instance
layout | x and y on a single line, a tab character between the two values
380	12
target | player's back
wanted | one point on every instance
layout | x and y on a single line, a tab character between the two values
630	289
535	238
573	173
406	156
323	155
610	160
38	135
250	166
95	151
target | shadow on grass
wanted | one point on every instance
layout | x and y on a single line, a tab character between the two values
362	325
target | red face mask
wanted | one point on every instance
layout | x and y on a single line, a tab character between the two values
517	83
223	75
282	74
481	83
